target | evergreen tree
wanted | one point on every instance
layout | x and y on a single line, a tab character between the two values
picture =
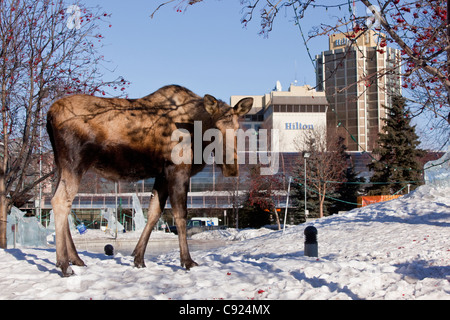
348	192
397	153
297	199
253	216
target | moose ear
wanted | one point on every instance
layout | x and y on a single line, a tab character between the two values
243	106
210	104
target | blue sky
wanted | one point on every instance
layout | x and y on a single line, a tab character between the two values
206	48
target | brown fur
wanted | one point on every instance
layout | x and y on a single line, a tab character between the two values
125	139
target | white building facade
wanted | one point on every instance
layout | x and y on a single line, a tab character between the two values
292	113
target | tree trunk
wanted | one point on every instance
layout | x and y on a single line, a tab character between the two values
322	193
278	219
321	207
448	52
3	167
3	213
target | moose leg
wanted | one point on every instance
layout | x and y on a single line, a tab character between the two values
155	209
178	178
62	203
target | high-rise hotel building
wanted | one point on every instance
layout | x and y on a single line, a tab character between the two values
359	75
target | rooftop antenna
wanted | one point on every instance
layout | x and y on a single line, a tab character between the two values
278	86
353	14
295	72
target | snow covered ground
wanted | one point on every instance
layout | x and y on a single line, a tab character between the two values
394	250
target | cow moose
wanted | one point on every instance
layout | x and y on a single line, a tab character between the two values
131	139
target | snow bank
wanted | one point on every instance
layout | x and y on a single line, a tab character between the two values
231	234
399	249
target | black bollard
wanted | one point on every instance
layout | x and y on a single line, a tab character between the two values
311	247
109	250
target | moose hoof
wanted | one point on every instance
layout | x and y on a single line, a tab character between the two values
78	262
139	262
189	264
66	270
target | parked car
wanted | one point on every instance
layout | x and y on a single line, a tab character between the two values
199	224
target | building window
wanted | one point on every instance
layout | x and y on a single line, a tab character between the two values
297	108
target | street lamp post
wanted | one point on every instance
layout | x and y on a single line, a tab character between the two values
287	203
306	155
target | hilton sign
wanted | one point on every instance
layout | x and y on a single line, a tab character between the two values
298	126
